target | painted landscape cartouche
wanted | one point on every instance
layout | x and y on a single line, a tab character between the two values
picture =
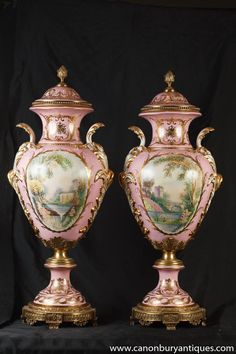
171	188
57	183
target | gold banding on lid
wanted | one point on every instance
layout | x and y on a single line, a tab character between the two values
169	100
61	95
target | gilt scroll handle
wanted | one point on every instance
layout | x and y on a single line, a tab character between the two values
139	134
92	130
202	135
28	130
218	177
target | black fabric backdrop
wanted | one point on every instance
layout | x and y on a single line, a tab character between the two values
117	54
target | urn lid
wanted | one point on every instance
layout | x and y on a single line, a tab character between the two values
169	100
61	95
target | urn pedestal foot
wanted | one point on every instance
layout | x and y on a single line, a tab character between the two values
59	302
168	303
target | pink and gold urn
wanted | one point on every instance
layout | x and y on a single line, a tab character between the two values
169	185
60	182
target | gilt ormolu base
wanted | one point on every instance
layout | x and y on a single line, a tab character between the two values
170	317
59	302
53	316
168	303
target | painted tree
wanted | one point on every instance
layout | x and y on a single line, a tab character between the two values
55	159
37	189
79	187
147	186
186	172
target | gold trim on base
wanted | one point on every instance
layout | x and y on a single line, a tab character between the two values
53	316
169	316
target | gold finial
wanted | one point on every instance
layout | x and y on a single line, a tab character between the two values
169	79
62	74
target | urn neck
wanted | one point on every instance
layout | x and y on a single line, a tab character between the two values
170	129
61	125
60	259
168	259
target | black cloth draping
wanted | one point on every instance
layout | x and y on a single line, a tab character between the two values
18	338
117	54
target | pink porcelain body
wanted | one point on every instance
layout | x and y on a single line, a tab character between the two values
157	149
56	143
93	164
